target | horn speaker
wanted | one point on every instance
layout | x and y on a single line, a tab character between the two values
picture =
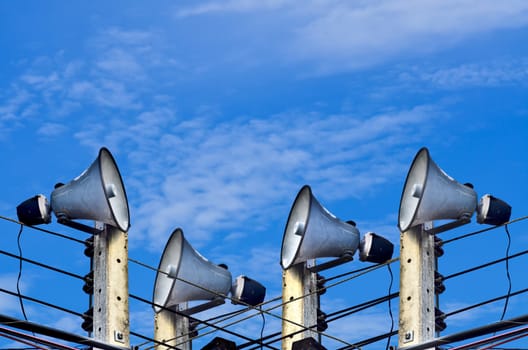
430	194
185	275
97	194
312	232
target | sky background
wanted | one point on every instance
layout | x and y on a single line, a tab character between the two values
218	112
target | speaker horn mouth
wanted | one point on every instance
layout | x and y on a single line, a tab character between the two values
114	189
167	270
415	184
296	226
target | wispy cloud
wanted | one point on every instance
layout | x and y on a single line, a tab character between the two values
201	173
351	35
479	75
337	36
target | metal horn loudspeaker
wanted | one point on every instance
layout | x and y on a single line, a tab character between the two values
430	194
181	264
312	232
97	194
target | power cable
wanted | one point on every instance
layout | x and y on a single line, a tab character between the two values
60	308
483	230
368	341
491	339
463	272
191	318
56	333
255	307
33	346
471	333
49	267
43	230
35	339
20	273
151	340
390	306
448	314
507	273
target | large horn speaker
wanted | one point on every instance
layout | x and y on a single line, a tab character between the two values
312	232
97	194
430	194
184	275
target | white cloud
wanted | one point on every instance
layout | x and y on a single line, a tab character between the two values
479	75
348	35
210	176
51	129
230	6
358	34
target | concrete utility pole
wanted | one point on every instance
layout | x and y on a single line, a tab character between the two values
299	284
172	329
417	288
111	322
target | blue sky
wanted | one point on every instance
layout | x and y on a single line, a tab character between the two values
218	112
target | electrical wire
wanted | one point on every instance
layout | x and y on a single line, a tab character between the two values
60	308
57	333
507	273
191	318
267	311
33	346
262	329
35	339
448	314
471	333
49	267
43	230
447	241
164	343
463	272
390	306
20	273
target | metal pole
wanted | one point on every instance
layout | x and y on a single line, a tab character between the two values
417	293
111	322
298	284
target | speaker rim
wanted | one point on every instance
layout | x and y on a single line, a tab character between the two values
176	233
302	191
112	160
422	152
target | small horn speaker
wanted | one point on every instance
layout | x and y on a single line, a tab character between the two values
97	194
312	232
185	275
430	194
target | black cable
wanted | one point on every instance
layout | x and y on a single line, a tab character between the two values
20	273
71	274
42	302
483	230
151	340
507	272
43	230
390	307
456	274
484	302
191	318
359	307
369	269
374	339
57	333
262	329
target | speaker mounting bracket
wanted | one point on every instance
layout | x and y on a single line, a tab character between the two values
449	226
202	307
79	226
346	257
